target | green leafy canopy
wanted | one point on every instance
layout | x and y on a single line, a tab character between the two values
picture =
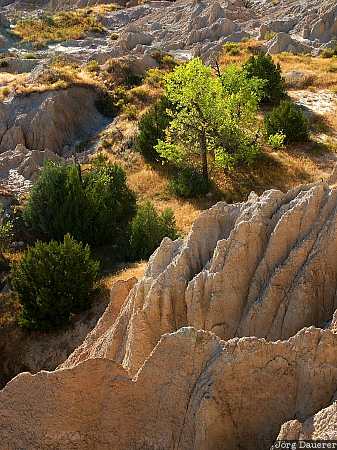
209	111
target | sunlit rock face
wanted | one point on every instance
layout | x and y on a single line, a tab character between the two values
258	280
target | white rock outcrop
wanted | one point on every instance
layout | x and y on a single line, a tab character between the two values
49	120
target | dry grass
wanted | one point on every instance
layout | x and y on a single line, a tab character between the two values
151	184
323	71
59	27
282	170
10	309
124	272
59	75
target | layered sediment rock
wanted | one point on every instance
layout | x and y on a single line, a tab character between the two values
194	392
253	277
49	120
265	268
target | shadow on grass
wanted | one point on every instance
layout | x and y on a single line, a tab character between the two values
267	172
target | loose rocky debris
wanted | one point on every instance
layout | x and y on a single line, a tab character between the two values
200	28
20	167
321	102
256	278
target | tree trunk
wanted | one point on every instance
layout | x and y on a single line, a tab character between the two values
203	153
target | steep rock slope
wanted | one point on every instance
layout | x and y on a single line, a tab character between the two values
49	120
265	268
194	392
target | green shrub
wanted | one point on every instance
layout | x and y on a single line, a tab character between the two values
6	235
329	52
54	280
232	48
94	207
155	77
152	126
57	202
110	204
131	111
262	66
189	183
276	141
148	228
4	63
288	119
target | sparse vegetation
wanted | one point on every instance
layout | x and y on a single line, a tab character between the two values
59	27
6	235
329	52
263	67
276	141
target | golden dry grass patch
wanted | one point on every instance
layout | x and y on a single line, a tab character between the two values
61	26
323	70
147	183
124	272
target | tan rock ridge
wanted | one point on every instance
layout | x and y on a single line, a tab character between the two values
321	426
194	392
252	277
265	268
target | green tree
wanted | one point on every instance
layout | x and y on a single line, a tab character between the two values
54	280
148	228
211	115
94	207
57	202
151	129
263	67
110	204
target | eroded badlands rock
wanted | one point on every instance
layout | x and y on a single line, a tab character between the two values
194	392
265	268
49	120
252	277
322	426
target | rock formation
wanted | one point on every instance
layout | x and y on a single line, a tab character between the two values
248	269
187	28
255	278
49	120
322	426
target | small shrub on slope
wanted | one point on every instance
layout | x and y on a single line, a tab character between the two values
189	183
288	119
151	129
262	66
54	280
148	228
